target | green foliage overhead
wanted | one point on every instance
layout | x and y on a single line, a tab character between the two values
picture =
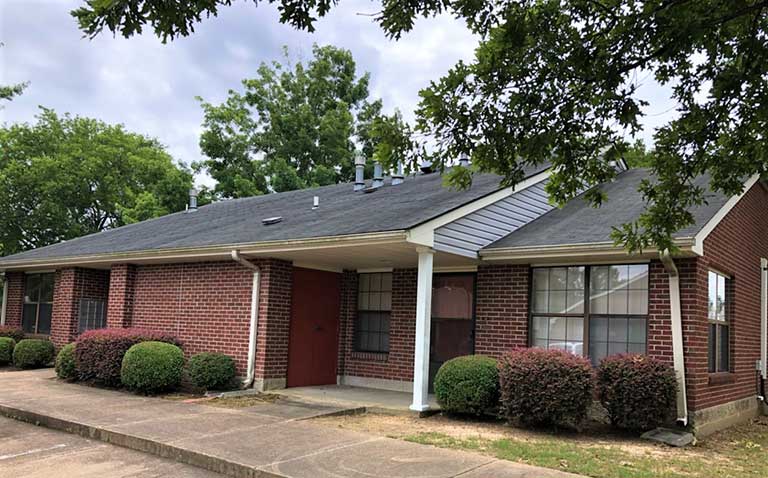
557	80
293	126
64	177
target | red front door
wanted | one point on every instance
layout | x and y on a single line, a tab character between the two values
314	341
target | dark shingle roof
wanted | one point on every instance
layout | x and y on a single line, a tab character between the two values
341	212
580	223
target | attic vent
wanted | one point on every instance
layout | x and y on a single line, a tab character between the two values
271	220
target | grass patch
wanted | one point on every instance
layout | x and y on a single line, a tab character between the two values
738	453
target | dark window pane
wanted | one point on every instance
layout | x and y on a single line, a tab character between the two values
46	287
724	358
712	352
44	319
598	329
32	288
372	331
597	352
617	329
29	318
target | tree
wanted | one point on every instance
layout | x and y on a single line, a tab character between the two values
637	155
294	126
557	80
64	177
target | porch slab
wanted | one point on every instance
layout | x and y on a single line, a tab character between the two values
372	399
234	442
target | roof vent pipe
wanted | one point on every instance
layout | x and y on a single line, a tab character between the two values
192	206
397	178
359	171
378	175
464	160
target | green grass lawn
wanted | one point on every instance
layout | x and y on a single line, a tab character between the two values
739	452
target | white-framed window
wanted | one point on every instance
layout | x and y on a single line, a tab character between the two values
374	308
614	318
719	356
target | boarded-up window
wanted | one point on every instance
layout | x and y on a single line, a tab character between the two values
92	315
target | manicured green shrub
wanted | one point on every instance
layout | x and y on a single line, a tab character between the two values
151	367
66	368
13	332
99	353
6	350
33	353
639	392
468	384
545	387
211	371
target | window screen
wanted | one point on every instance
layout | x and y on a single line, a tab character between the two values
374	306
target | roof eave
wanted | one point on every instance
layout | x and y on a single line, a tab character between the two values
594	250
209	252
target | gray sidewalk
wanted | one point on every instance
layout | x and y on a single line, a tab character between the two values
270	440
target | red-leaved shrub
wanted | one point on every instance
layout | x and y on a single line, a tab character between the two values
99	353
545	387
13	332
639	392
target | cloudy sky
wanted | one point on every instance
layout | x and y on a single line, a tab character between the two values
151	87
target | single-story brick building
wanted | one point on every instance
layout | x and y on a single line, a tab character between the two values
378	284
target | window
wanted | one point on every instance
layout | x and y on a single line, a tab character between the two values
612	321
38	304
374	306
719	325
92	315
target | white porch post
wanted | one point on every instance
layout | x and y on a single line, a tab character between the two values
423	320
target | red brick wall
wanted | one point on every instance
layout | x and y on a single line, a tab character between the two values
501	311
70	286
398	363
15	284
734	247
274	319
121	290
208	306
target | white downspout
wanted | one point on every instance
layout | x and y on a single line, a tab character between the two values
677	335
763	318
5	298
251	374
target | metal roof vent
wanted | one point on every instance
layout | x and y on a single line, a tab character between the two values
271	220
192	206
397	178
370	189
359	171
426	168
315	202
464	160
378	175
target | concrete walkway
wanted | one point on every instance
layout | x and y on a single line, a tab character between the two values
270	440
346	396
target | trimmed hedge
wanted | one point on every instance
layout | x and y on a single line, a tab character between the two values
639	392
468	384
151	367
6	350
99	353
33	353
13	332
545	387
66	368
211	371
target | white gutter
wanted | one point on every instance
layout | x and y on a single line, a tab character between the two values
677	335
5	298
251	374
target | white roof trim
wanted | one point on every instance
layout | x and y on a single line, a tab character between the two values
698	241
424	234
